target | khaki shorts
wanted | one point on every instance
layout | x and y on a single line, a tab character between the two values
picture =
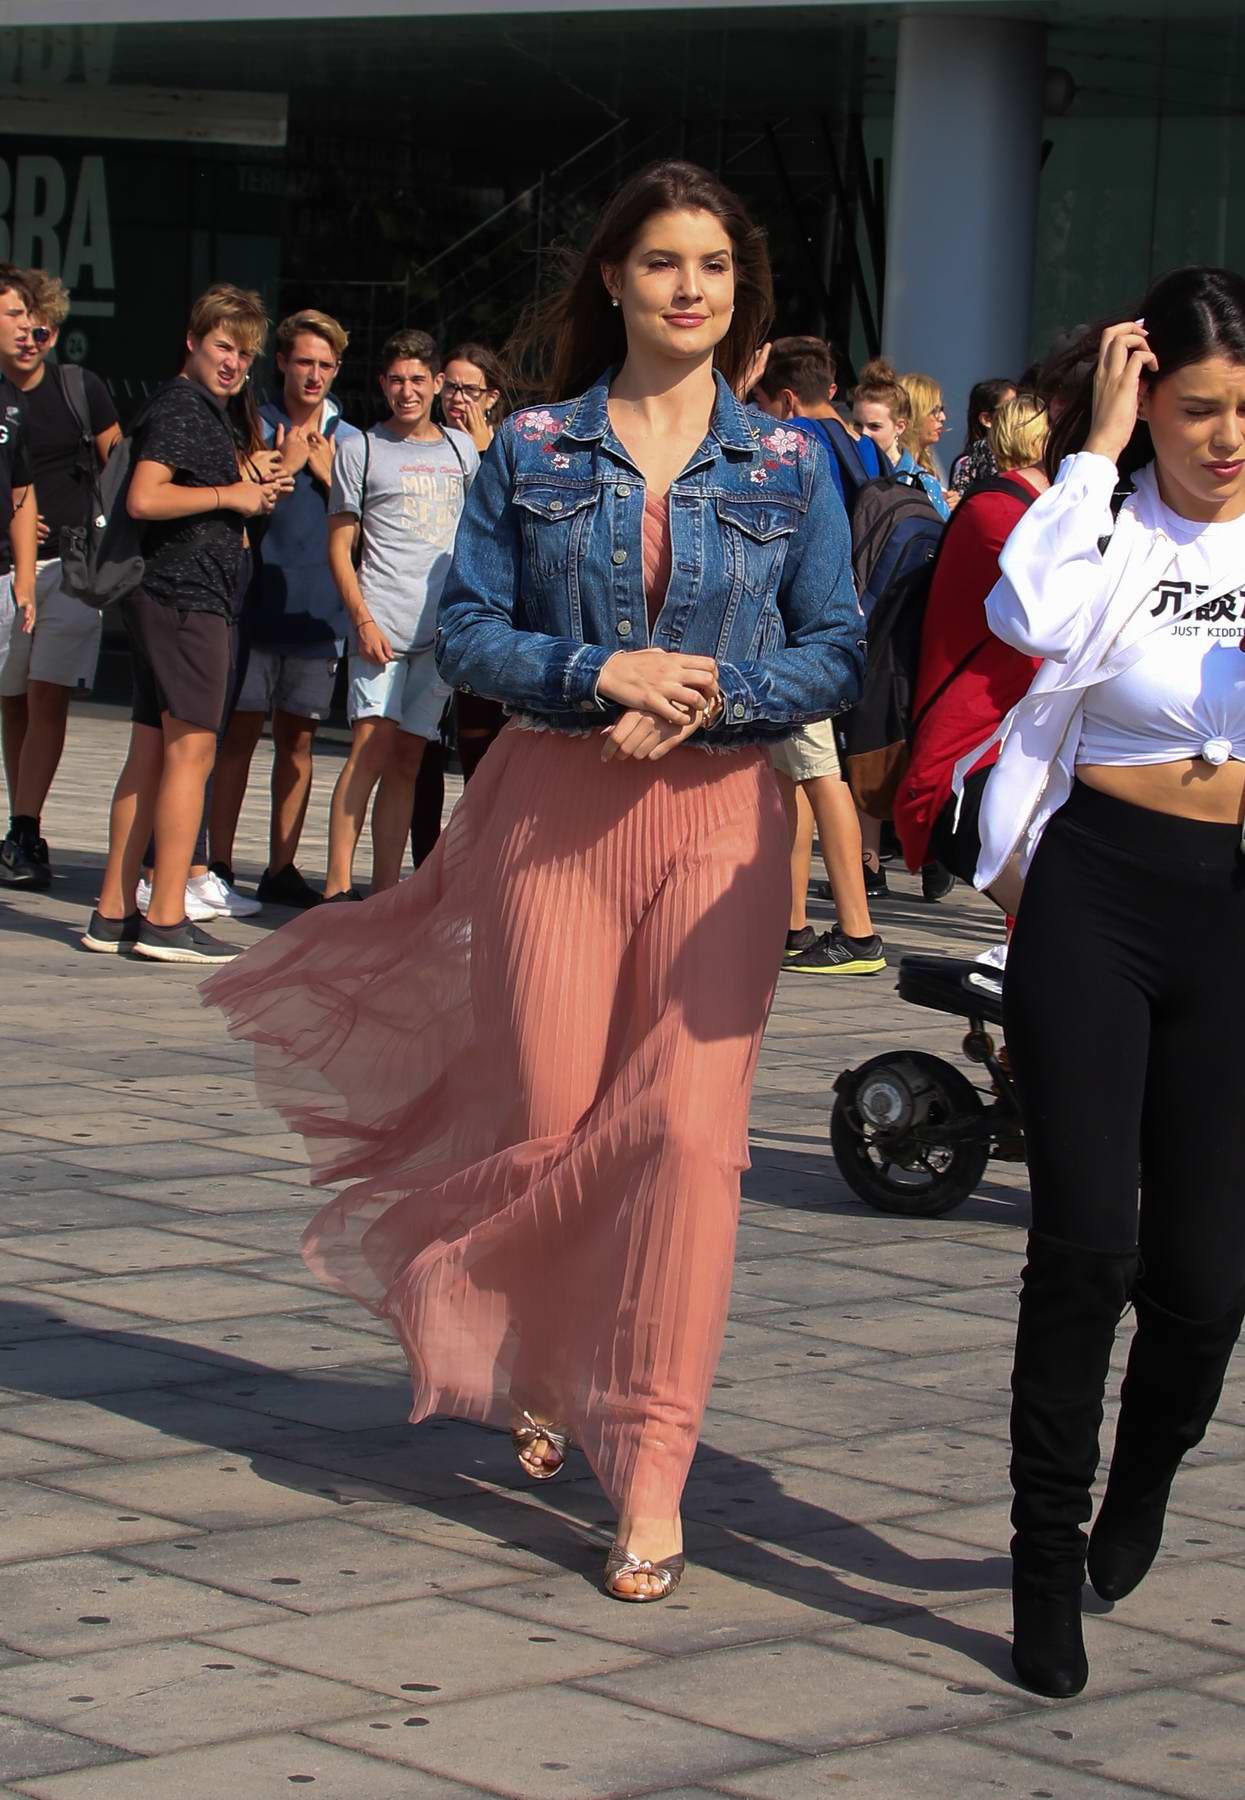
808	753
63	649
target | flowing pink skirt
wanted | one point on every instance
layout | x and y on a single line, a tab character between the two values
533	1062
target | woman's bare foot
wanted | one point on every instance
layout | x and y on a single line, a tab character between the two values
540	1449
649	1540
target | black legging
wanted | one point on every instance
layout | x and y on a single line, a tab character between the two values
477	725
1124	1005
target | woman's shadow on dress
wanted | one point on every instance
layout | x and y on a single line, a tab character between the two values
465	1482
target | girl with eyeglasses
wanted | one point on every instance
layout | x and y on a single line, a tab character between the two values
474	395
927	420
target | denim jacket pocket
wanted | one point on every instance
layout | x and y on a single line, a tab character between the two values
754	539
555	523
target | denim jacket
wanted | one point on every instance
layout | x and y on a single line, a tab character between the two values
547	580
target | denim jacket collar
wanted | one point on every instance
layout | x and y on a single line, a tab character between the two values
590	421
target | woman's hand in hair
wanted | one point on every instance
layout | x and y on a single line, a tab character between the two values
663	683
642	738
1124	356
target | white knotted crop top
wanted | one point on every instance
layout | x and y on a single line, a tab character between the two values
1184	694
1079	588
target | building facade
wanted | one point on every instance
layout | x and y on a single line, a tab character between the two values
954	185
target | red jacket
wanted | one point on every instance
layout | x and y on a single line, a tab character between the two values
984	692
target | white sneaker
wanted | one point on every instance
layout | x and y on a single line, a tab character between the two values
994	958
215	892
198	911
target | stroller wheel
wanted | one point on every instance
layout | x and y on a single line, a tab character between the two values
908	1134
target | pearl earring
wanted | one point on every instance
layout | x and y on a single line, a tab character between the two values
614	301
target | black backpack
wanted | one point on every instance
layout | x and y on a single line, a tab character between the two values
897	536
102	561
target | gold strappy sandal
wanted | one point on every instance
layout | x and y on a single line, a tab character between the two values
524	1437
621	1562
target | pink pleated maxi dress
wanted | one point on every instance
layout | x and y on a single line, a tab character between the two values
532	1061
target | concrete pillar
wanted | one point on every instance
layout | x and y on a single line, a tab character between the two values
962	213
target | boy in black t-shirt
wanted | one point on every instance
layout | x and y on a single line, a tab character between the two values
17	495
71	425
188	490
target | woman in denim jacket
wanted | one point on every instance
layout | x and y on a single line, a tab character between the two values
535	1059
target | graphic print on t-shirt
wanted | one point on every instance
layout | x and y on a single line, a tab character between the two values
1222	617
432	500
414	499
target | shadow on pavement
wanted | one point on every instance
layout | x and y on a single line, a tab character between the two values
465	1474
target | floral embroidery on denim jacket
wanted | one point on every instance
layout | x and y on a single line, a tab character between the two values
547	580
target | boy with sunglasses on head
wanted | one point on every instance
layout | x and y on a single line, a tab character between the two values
70	423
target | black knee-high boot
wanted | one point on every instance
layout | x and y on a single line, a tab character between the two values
1171	1388
1070	1303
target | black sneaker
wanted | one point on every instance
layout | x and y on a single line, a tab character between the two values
798	942
25	864
111	937
875	884
936	882
834	953
349	894
184	943
287	888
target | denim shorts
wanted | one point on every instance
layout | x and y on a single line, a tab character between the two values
407	690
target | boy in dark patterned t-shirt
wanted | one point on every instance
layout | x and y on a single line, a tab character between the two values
188	491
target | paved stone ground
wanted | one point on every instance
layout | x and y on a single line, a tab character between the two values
230	1567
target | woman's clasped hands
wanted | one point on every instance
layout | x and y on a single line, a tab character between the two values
665	697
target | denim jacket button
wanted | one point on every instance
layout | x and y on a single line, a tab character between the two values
555	506
738	709
624	628
619	556
624	491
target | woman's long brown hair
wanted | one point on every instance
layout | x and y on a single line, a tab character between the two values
568	340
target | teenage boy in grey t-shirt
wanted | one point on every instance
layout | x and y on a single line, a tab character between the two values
397	496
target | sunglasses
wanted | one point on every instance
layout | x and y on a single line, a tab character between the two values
41	335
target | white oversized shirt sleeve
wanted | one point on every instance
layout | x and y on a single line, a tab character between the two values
1053	586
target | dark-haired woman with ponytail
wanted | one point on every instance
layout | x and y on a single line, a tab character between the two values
1121	789
976	460
533	1060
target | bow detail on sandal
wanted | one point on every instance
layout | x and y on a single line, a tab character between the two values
668	1574
525	1437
